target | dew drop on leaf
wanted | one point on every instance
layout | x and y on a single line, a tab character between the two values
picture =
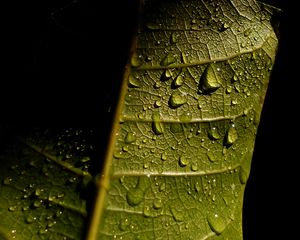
177	99
164	157
231	135
173	38
12	208
216	223
213	133
30	219
130	138
123	224
136	195
168	59
157	126
133	82
211	156
179	80
157	203
183	161
243	175
166	75
209	81
177	215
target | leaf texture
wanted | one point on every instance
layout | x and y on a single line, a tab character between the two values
184	135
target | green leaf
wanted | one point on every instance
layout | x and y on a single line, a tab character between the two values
203	69
43	181
179	153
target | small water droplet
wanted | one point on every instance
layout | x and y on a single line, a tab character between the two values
228	89
194	167
235	78
209	81
243	175
179	80
211	156
168	59
133	82
153	26
166	75
157	104
7	180
157	203
135	60
247	32
231	135
162	187
234	102
197	187
37	203
173	38
164	157
157	85
51	224
12	208
157	126
130	138
213	133
216	223
125	148
43	231
183	161
30	219
177	215
177	99
123	224
185	117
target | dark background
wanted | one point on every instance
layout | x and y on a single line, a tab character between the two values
60	62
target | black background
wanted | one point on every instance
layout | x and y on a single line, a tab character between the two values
60	62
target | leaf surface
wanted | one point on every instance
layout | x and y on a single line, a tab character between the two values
184	134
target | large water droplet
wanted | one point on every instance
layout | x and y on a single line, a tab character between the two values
136	195
209	81
216	223
168	59
231	135
177	99
157	126
177	215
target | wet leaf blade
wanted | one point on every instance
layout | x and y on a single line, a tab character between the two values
191	152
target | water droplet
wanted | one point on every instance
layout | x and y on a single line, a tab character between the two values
157	203
164	157
125	148
231	135
243	175
135	60
118	154
157	126
123	224
153	26
38	192
12	208
157	104
136	195
37	203
228	89
130	138
162	187
197	187
247	32
173	38
179	80
168	59
216	223
183	161
234	102
209	81
157	85
147	212
177	215
211	156
235	78
213	133
177	99
30	219
185	117
7	180
43	231
167	74
194	167
133	82
51	224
